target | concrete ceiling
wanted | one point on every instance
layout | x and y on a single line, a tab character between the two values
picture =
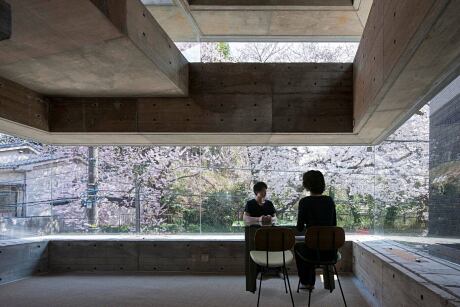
105	72
263	20
79	48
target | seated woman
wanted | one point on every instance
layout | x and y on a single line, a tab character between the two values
314	210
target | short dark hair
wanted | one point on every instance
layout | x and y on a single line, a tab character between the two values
259	186
313	181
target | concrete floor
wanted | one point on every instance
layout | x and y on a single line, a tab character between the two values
91	289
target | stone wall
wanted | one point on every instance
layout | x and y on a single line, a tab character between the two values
444	202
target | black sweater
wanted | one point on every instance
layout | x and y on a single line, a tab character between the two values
316	211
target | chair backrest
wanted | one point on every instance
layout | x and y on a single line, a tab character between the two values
274	239
324	238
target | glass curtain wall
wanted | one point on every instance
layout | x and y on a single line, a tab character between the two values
171	190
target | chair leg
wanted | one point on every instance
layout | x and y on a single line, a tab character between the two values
309	297
298	286
260	285
341	291
284	278
289	284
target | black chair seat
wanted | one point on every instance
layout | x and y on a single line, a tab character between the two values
322	261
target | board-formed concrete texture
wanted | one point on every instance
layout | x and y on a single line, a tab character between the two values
396	275
22	259
91	48
409	51
104	72
266	20
227	98
198	256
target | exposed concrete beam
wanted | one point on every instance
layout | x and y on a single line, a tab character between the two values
5	20
272	2
91	48
204	139
278	23
409	51
226	98
228	104
21	108
281	38
263	20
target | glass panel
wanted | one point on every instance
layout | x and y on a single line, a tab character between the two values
182	189
402	178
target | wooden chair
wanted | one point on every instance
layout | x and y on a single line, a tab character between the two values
324	240
273	249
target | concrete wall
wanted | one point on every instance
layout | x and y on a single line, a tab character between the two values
22	260
394	277
444	202
165	256
19	260
161	256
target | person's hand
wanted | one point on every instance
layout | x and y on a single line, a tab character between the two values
266	219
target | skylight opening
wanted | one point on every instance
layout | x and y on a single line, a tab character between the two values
269	52
158	2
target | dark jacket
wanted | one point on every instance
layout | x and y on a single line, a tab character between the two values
316	211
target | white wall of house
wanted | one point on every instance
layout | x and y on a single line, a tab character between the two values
53	181
38	183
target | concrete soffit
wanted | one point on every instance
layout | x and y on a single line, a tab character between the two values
117	78
325	21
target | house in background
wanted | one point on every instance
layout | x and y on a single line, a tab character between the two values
31	183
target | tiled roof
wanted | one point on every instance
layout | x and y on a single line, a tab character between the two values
31	161
18	144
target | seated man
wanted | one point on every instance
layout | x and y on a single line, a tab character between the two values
259	209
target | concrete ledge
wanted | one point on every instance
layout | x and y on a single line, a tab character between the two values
198	256
23	260
395	274
160	256
25	257
399	276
